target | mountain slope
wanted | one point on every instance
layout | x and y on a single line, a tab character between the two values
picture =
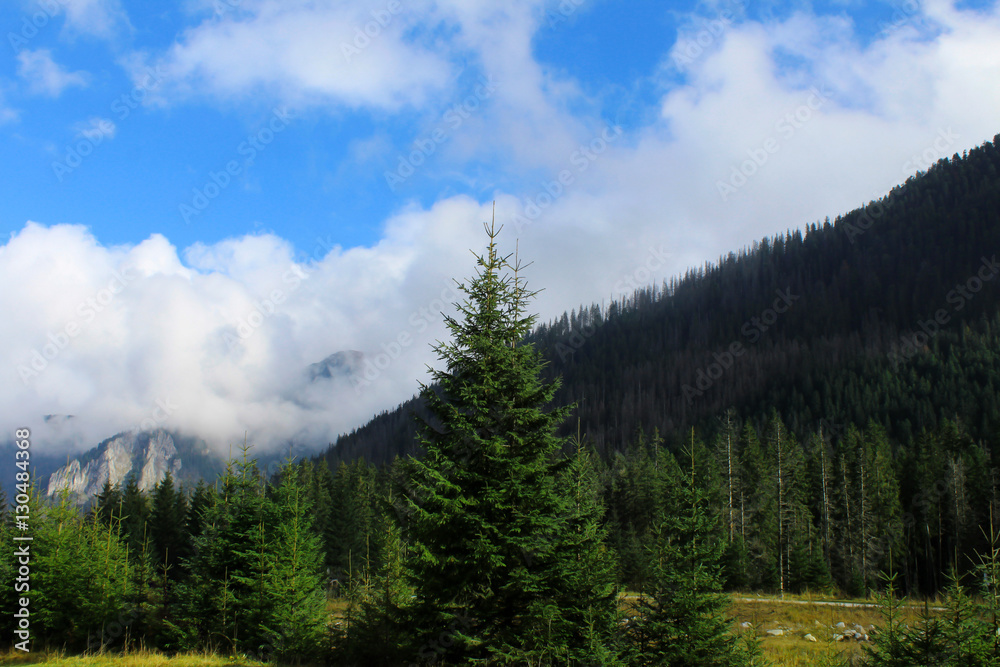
887	313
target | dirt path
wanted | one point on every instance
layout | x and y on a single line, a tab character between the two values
827	603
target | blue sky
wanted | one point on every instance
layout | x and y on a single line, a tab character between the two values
309	181
210	147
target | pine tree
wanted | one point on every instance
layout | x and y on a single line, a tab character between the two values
587	591
377	633
759	513
727	451
351	525
168	524
297	602
225	595
108	502
492	529
681	618
134	514
202	499
80	577
890	646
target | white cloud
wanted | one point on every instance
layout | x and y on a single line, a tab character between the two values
225	335
306	53
101	18
44	75
96	129
7	114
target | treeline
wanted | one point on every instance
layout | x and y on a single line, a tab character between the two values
832	511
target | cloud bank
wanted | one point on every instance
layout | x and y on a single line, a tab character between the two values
760	126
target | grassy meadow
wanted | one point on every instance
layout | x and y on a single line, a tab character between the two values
797	616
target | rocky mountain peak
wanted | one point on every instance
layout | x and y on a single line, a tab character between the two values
146	454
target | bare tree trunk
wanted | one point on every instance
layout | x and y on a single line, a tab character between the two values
847	511
729	462
864	519
781	518
826	500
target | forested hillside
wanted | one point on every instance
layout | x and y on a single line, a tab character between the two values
833	324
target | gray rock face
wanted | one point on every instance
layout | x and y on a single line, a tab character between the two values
149	454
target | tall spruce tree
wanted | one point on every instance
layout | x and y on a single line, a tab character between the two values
498	552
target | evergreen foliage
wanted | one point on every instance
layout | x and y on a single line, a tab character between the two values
497	541
681	618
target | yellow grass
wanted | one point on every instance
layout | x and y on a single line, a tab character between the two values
810	618
130	659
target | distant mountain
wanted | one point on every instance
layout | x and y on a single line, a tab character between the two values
338	365
144	455
889	313
147	455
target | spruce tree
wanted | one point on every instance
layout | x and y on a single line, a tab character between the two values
377	633
107	502
681	620
297	603
168	523
226	601
134	514
891	645
80	578
493	531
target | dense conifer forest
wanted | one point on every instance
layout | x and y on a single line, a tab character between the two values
872	397
816	413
